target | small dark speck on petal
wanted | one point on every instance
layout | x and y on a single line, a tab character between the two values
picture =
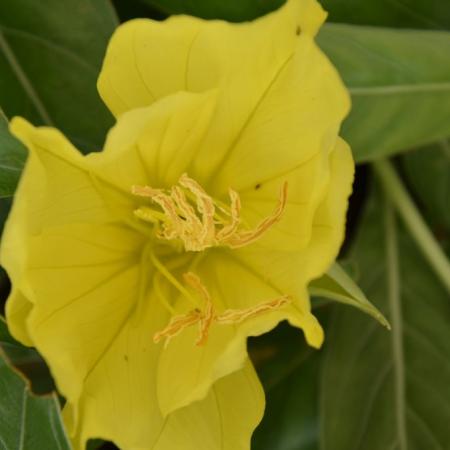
298	30
125	357
257	186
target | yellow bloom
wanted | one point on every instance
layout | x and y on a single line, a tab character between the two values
140	271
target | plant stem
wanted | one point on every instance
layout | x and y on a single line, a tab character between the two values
395	307
403	203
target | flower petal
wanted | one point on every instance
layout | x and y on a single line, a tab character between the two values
330	218
297	117
307	186
147	60
155	145
122	389
81	276
224	420
186	371
280	101
56	188
278	94
57	182
323	231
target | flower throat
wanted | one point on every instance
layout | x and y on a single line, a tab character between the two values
187	214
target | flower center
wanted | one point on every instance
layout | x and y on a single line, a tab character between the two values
188	215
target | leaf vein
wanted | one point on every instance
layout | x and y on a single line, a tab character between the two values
24	80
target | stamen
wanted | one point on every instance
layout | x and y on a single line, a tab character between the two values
196	220
176	325
208	315
180	220
145	191
247	237
192	222
235	209
233	316
174	227
205	206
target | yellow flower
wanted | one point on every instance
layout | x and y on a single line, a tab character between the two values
140	271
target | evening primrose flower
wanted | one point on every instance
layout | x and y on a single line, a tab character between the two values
139	272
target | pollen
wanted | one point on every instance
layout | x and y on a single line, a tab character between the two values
192	216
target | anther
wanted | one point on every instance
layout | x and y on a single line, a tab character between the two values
241	239
235	210
176	325
202	227
234	316
205	206
208	315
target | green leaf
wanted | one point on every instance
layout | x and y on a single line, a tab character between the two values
337	285
400	86
95	444
12	159
27	361
27	421
231	10
427	171
50	56
289	371
429	14
132	9
15	351
389	390
5	337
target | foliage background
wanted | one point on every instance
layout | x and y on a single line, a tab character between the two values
367	389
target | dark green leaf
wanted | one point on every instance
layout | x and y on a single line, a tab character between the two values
12	159
289	371
95	444
26	360
389	390
428	174
232	10
15	351
132	9
400	86
429	14
27	421
50	56
5	337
